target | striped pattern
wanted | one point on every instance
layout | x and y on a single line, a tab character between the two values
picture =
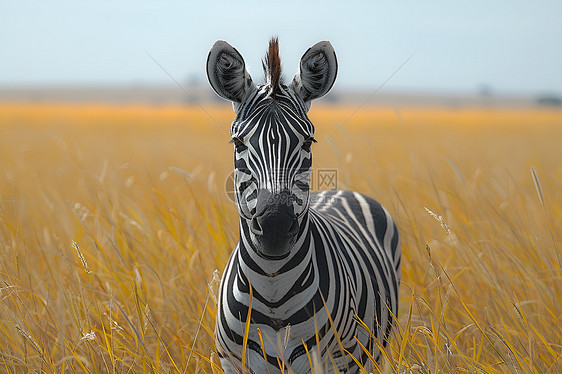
343	271
274	129
347	266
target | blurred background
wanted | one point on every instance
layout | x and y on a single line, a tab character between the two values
414	53
115	174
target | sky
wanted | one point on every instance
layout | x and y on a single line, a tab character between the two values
509	46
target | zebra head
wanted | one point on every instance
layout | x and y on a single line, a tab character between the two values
272	137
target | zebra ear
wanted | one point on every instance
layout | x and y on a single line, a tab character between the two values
227	73
317	72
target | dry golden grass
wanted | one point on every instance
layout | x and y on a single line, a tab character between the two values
113	221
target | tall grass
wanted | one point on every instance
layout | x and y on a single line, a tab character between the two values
113	222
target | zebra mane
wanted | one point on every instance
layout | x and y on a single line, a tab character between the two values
272	66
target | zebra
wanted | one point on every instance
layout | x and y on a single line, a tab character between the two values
315	275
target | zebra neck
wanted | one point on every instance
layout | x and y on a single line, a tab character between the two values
252	262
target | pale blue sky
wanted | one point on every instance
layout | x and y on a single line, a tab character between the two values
514	46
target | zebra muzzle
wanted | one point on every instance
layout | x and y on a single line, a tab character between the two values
275	224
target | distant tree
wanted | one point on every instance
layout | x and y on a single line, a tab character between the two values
549	100
485	90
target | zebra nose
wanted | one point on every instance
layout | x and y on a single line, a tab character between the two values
275	223
257	223
274	214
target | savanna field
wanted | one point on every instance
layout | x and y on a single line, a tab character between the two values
115	225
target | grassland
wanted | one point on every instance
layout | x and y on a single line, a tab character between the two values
114	220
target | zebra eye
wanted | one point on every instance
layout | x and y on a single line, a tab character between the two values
238	144
308	143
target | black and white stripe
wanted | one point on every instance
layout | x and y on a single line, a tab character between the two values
344	265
